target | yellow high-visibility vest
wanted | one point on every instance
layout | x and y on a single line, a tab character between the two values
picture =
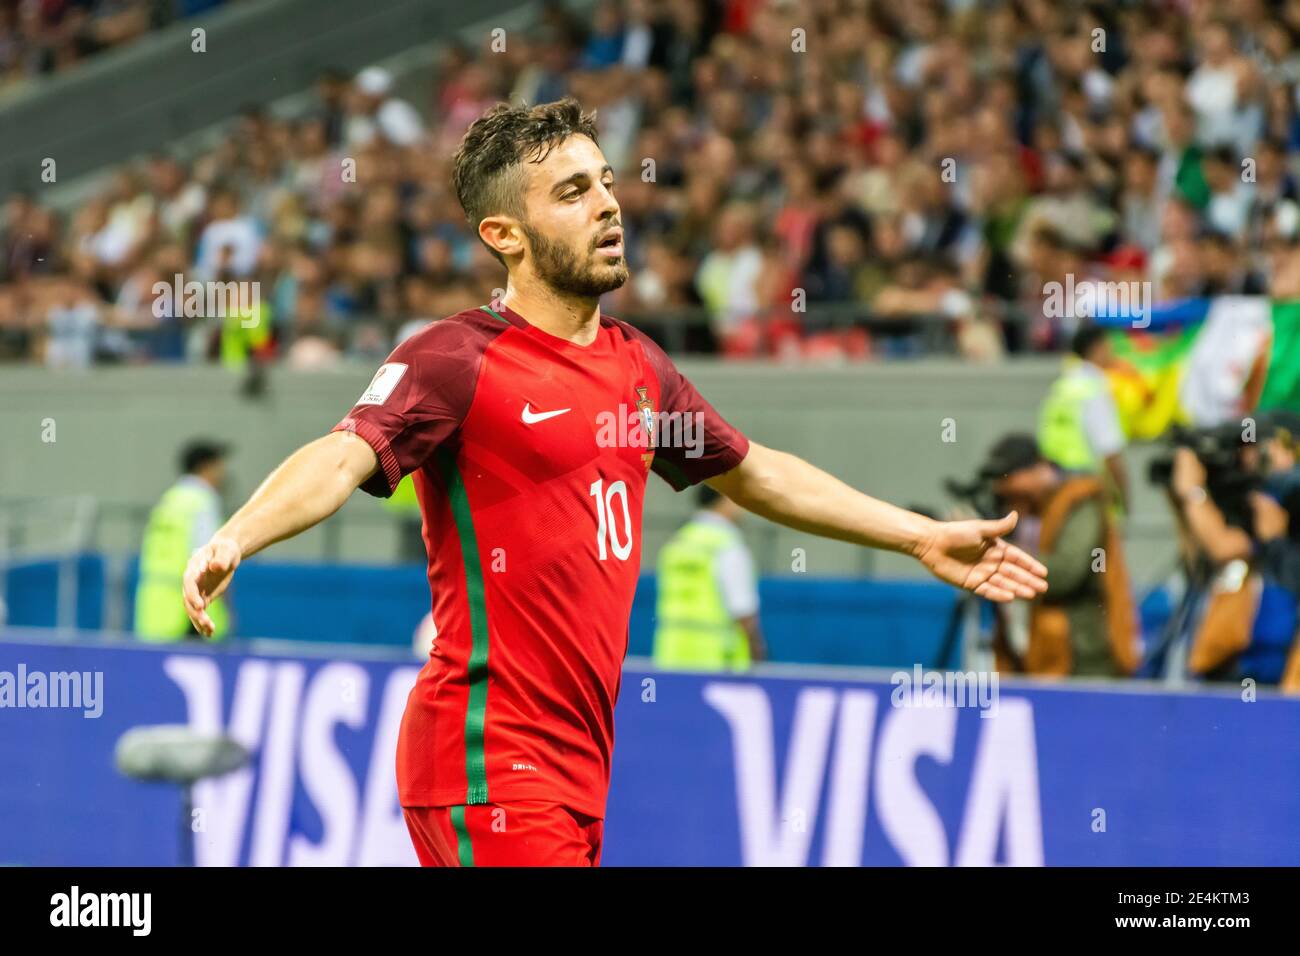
1061	435
694	630
159	604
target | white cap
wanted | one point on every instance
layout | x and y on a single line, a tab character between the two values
374	81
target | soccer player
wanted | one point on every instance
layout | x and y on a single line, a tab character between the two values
530	426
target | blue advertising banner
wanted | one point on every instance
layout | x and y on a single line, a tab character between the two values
807	620
799	768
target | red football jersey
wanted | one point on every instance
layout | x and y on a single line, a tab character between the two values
530	456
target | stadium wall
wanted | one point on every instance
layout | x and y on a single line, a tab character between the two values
116	432
784	767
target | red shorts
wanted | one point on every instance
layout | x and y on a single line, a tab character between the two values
526	833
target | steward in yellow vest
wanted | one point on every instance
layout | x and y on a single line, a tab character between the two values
707	614
186	516
1079	428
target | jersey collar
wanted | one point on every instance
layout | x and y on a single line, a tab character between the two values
507	314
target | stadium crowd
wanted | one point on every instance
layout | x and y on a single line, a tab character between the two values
824	178
38	37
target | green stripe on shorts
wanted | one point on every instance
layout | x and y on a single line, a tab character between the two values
464	848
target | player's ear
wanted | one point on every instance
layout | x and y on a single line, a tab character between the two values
503	234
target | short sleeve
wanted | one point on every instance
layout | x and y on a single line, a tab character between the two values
737	581
706	444
416	401
206	523
1102	425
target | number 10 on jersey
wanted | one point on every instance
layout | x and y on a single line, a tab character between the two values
606	527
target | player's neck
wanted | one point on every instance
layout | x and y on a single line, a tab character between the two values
565	317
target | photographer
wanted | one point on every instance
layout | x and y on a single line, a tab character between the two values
1086	624
1277	522
1242	562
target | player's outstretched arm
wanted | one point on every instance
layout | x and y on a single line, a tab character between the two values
307	487
970	554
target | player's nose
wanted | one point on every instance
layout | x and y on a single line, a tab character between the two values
608	207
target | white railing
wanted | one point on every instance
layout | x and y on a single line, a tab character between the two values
60	529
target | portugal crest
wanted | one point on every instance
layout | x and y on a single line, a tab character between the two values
647	410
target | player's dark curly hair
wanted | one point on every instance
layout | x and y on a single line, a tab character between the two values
487	169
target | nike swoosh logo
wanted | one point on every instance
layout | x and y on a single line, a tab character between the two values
530	417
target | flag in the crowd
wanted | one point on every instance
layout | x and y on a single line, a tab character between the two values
1282	380
1204	362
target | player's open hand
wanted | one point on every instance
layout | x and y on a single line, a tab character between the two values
206	577
972	555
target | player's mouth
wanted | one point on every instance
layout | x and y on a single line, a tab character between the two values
611	244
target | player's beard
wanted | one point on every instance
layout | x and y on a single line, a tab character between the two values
572	271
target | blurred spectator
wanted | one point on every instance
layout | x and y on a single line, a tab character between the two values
728	277
377	112
230	239
72	330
